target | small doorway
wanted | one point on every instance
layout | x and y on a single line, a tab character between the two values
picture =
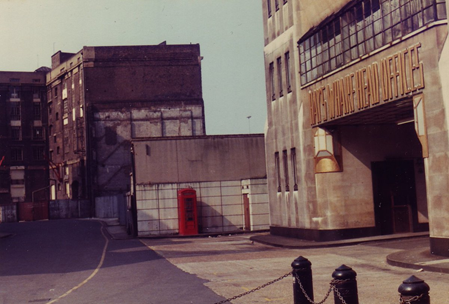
246	212
394	193
75	190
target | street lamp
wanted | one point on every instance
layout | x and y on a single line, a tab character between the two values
249	124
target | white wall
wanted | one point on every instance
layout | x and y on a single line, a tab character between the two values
219	204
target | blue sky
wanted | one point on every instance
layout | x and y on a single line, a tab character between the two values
230	34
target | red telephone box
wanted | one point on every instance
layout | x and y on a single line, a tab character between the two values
187	214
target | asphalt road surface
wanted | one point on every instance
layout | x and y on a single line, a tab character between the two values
74	261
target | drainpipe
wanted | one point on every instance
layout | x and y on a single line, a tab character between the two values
133	193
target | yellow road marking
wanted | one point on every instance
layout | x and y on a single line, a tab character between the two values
274	300
93	273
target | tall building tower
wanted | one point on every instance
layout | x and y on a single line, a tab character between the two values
23	144
102	98
357	118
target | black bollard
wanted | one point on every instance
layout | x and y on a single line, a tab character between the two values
302	271
414	290
345	285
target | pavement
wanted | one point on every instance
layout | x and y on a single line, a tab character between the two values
418	258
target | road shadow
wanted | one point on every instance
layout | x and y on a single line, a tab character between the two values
64	246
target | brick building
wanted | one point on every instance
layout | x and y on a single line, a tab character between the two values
101	98
23	145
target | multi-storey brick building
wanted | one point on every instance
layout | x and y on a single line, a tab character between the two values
23	145
101	98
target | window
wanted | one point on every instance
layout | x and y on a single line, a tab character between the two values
16	154
17	182
4	180
293	162
36	93
278	171
279	67
14	79
16	133
287	72
55	92
362	28
271	75
14	112
64	90
14	92
37	114
57	150
67	188
38	133
269	8
66	106
285	161
57	116
38	153
66	140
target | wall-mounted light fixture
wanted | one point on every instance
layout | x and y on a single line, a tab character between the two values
327	152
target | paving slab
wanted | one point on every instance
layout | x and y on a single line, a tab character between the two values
236	264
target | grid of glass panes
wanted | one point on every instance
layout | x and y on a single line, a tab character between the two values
16	153
16	133
362	28
14	111
38	153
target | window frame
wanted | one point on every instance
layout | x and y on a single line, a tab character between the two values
272	82
277	171
38	133
38	152
269	9
361	28
279	76
16	153
293	161
285	165
288	79
37	111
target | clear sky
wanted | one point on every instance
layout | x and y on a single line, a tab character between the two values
230	34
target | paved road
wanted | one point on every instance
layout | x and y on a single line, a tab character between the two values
233	264
72	261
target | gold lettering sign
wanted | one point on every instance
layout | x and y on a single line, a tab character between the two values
394	77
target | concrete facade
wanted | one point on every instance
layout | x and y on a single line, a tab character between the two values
227	172
23	141
357	143
101	98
